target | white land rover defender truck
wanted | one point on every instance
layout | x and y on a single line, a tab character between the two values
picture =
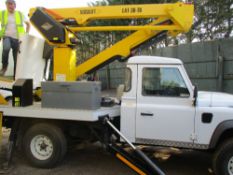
159	106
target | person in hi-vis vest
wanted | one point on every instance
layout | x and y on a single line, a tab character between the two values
12	27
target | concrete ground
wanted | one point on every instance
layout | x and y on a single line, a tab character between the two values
94	160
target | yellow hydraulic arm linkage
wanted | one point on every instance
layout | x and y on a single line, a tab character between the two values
58	26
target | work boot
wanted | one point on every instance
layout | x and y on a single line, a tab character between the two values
2	71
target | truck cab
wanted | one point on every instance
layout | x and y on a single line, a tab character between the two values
158	92
159	106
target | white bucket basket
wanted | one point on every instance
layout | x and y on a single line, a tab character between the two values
30	62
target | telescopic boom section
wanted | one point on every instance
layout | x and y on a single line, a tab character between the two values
57	25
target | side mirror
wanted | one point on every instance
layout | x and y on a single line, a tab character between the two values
195	94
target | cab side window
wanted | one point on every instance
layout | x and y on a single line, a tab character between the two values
163	82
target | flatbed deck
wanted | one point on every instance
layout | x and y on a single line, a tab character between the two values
36	111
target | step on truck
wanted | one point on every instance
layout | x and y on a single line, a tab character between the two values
157	105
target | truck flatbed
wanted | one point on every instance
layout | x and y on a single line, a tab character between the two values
36	111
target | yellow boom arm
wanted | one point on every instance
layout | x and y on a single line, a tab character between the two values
170	18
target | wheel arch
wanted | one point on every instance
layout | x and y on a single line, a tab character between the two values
222	132
27	123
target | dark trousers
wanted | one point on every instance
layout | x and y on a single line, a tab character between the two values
8	44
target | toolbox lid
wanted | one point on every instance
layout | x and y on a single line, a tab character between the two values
87	86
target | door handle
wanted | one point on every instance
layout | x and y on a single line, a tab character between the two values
146	114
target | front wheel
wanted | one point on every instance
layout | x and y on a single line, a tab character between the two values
44	145
223	159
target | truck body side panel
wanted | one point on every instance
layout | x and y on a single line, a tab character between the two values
205	130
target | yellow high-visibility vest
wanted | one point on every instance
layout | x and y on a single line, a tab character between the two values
18	22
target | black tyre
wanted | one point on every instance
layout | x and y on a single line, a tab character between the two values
223	159
44	145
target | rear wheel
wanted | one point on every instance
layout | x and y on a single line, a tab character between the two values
44	145
223	159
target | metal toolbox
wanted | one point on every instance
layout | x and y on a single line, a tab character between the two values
71	95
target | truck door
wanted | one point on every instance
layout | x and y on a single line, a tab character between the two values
165	111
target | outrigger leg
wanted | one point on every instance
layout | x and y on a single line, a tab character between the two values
137	161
